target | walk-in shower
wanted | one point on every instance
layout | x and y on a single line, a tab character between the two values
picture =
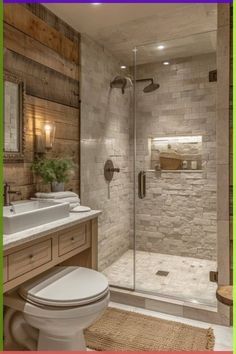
163	127
171	248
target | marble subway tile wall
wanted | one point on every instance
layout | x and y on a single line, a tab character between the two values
178	215
105	115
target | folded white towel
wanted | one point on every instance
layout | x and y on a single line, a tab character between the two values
69	200
56	195
61	200
74	201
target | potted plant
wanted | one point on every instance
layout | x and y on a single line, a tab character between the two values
54	171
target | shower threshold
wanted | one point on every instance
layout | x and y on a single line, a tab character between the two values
177	299
172	306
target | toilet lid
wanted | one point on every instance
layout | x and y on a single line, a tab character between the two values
66	286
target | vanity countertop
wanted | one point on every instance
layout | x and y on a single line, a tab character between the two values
19	238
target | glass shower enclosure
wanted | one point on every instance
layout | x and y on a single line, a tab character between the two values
172	166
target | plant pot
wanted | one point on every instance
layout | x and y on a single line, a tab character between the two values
57	187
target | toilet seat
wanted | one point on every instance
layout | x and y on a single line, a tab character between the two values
50	312
65	287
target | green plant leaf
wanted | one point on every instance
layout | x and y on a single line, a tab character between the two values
53	170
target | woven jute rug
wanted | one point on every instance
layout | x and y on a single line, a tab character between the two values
119	330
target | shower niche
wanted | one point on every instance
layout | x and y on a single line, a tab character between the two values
176	153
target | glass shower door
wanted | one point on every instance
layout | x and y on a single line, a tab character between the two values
116	246
175	169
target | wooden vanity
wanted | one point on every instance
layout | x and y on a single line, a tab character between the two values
72	243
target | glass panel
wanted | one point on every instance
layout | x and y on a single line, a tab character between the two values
175	238
105	135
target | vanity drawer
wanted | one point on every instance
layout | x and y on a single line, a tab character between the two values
72	239
29	258
5	270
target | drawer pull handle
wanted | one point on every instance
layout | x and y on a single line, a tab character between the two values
72	238
31	256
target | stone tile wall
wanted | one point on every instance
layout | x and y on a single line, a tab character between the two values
178	215
105	115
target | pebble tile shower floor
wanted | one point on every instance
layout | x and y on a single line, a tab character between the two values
187	280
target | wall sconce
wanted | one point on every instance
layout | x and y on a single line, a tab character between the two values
44	137
49	129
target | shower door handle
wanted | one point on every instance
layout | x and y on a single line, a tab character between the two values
142	184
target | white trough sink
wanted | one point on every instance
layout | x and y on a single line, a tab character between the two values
25	215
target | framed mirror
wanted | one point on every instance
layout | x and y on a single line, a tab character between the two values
13	118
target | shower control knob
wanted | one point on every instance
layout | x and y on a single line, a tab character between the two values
109	170
114	169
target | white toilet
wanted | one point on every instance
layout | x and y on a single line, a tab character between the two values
51	311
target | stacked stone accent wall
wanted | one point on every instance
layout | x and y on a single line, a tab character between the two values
178	215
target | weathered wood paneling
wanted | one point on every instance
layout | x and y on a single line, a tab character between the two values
24	20
44	52
54	111
65	118
52	20
66	145
41	81
34	50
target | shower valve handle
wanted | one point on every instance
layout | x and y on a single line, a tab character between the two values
113	169
109	170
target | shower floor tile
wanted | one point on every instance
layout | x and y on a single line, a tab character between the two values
187	278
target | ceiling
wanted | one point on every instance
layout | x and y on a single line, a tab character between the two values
121	27
182	47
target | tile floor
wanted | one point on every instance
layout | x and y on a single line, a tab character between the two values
188	278
223	335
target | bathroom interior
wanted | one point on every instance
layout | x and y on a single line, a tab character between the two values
139	112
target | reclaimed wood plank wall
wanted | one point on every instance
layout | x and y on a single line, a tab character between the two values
45	52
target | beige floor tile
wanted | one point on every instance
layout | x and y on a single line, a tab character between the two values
187	278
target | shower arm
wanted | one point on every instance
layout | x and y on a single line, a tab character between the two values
143	80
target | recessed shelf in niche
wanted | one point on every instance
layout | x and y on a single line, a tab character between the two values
176	153
179	139
176	171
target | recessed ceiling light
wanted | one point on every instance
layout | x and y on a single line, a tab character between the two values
96	3
123	67
160	47
166	63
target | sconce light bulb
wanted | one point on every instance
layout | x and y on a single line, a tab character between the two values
47	128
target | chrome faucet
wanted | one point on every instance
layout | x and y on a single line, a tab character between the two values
7	192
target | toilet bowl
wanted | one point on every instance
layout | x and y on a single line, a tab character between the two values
51	311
